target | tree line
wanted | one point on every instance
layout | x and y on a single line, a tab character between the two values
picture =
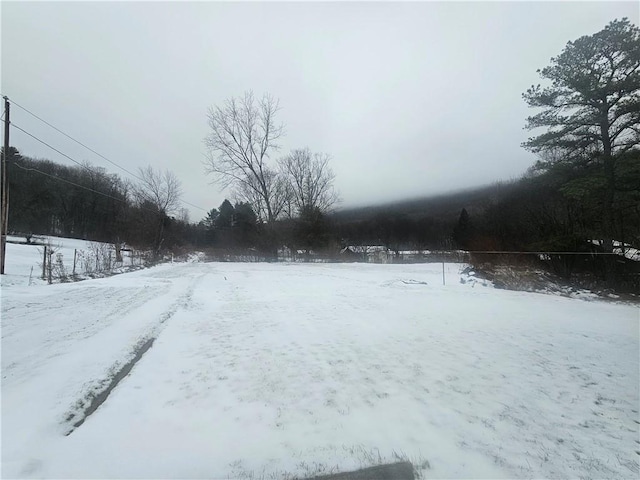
585	185
89	203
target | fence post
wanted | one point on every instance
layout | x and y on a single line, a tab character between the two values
50	267
44	263
75	252
443	282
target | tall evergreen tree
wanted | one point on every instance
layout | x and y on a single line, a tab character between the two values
225	215
591	110
463	231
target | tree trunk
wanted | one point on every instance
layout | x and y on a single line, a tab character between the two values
610	173
158	242
608	204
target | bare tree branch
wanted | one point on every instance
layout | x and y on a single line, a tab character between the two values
162	190
243	134
310	181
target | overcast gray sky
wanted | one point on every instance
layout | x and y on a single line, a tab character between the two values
409	99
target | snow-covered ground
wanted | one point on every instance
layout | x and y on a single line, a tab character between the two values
275	369
24	261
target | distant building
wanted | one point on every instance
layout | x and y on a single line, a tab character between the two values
367	253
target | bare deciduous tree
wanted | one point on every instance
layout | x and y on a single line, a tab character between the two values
276	189
162	190
183	215
309	180
243	135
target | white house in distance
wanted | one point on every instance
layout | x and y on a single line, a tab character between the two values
368	253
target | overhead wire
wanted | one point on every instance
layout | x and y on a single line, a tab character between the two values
64	180
81	144
498	252
75	140
194	206
31	169
51	147
75	161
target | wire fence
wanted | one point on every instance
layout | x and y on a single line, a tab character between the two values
618	270
59	265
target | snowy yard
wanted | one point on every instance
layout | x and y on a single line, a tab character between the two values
274	369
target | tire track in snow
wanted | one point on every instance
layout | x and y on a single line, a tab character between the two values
96	396
57	333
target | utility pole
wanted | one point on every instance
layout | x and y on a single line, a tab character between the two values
5	189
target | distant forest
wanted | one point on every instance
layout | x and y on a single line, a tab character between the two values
559	209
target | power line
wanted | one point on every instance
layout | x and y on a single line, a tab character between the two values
74	161
497	252
77	141
64	180
77	162
55	177
30	169
83	145
194	206
52	148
